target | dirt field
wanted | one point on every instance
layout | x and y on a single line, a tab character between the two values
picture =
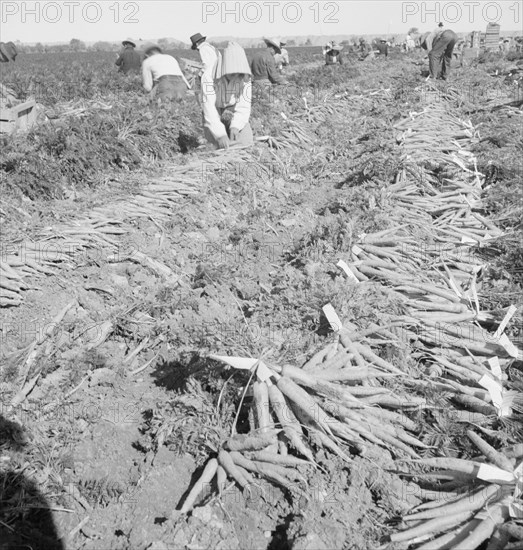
110	404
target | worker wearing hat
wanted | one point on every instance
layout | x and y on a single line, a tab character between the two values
129	60
209	55
162	76
227	111
332	52
263	66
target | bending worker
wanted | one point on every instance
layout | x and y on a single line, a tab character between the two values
262	65
227	103
440	46
162	75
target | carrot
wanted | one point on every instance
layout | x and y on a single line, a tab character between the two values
207	475
376	360
496	514
261	402
262	410
250	442
291	427
348	344
475	404
272	471
350	374
338	361
432	526
491	454
393	401
226	461
314	382
471	502
221	478
391	416
328	443
468	467
264	456
317	358
304	402
447	541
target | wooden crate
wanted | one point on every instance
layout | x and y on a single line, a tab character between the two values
492	37
20	117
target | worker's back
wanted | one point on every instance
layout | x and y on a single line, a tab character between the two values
129	61
263	66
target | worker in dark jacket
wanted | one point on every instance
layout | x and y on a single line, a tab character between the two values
383	48
440	45
263	66
129	60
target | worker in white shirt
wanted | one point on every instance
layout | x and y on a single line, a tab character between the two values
227	104
162	76
209	55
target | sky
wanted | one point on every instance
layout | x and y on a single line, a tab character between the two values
114	20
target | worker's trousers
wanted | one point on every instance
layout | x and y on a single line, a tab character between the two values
440	57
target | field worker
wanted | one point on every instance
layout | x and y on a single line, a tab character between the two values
284	53
333	55
129	60
162	76
262	65
440	46
383	48
227	104
209	55
410	44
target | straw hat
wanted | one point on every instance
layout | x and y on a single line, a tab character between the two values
234	60
274	43
282	42
128	41
196	39
336	47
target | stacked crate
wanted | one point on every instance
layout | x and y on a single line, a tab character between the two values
492	37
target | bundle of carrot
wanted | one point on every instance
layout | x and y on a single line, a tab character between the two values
471	499
329	402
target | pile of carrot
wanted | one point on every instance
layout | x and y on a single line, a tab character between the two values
97	234
429	264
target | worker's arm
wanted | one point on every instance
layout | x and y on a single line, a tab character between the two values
272	72
242	111
147	76
119	61
211	116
